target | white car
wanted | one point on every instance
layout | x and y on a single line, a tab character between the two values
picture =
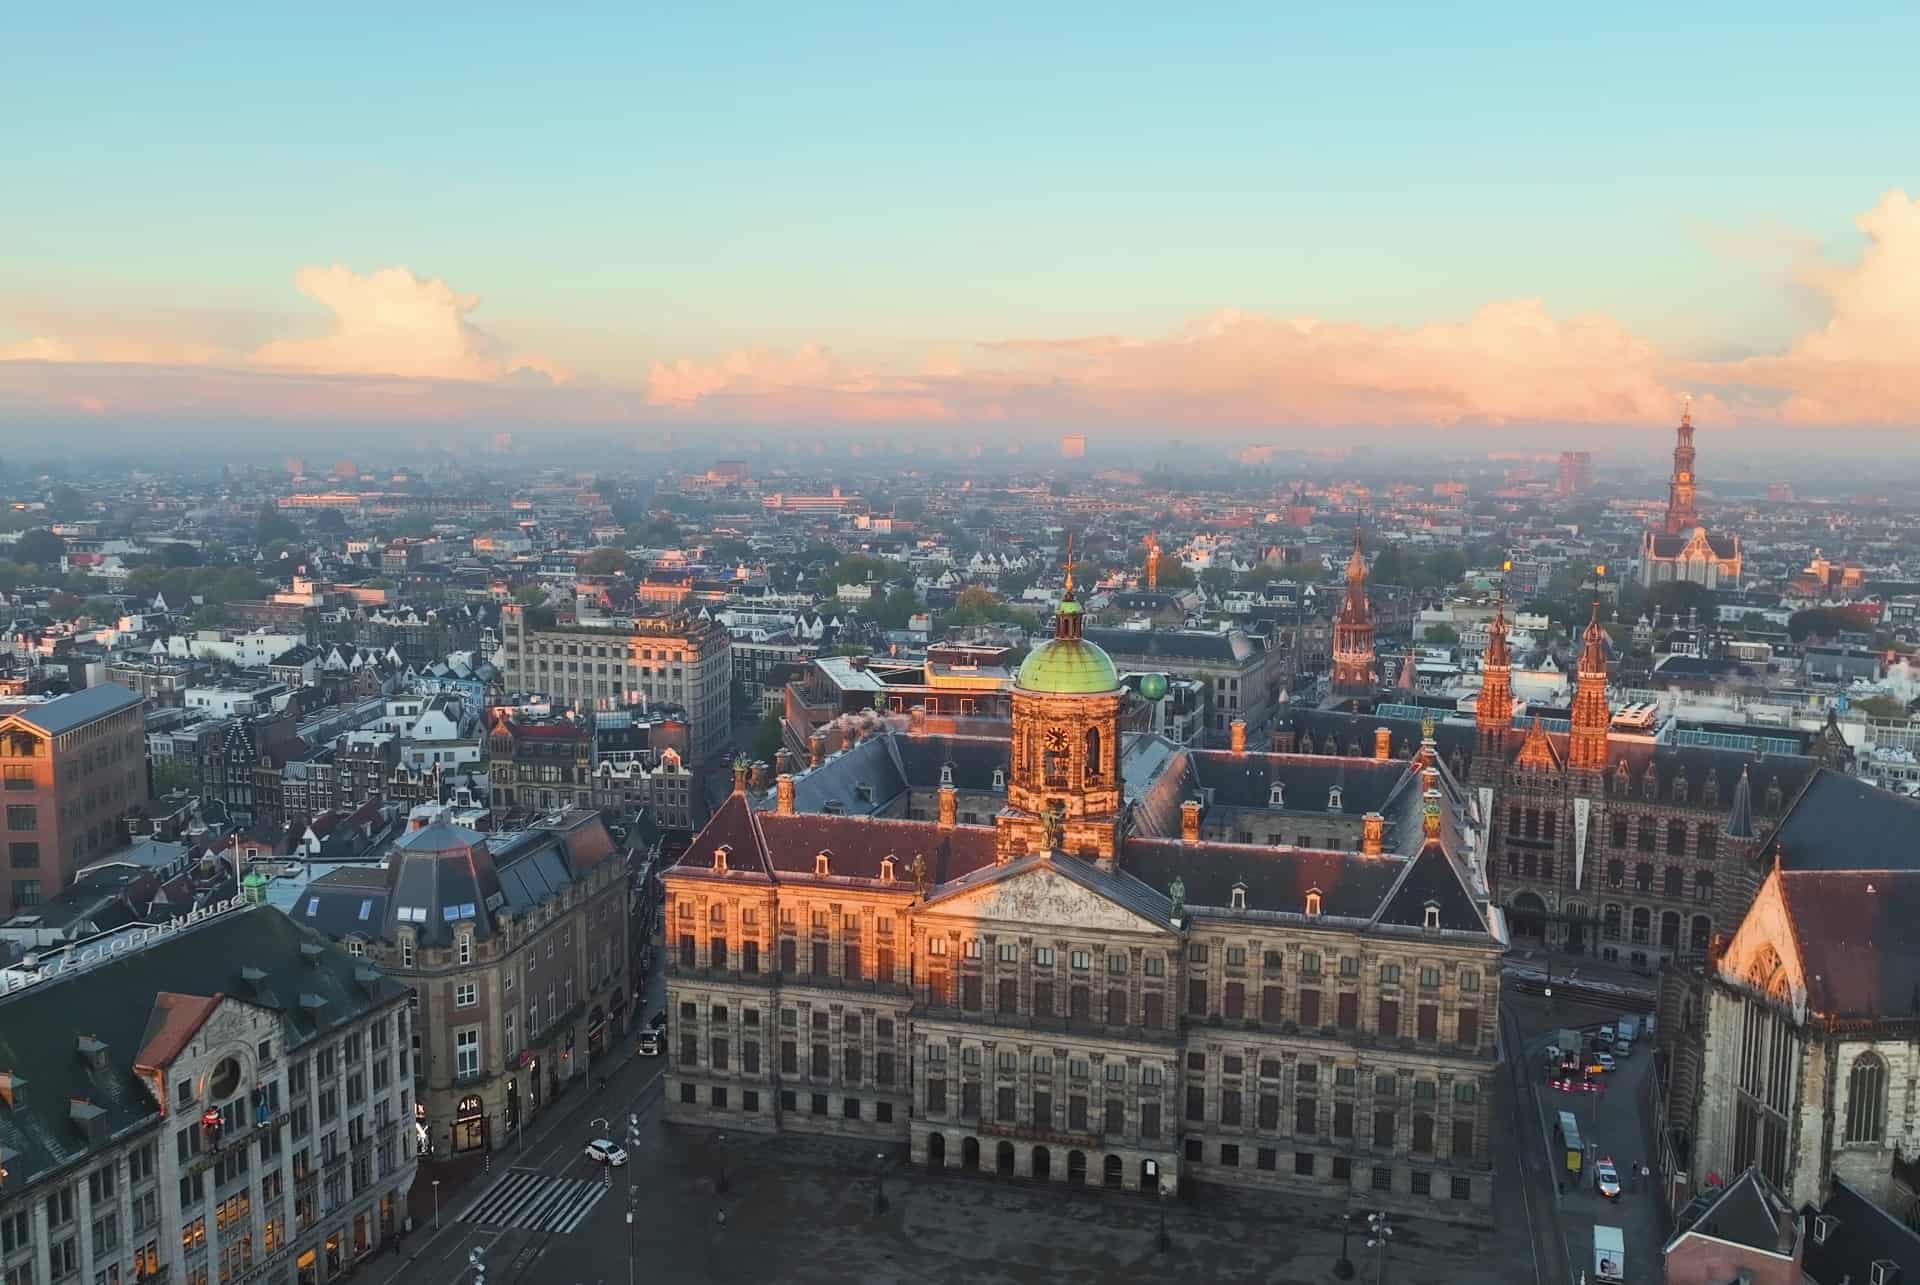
649	1044
604	1151
1607	1179
1605	1061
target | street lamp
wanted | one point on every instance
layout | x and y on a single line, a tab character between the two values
1161	1241
1379	1236
633	1147
722	1183
879	1183
1344	1268
436	1204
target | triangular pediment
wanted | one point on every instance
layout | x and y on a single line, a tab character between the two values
1764	955
1043	891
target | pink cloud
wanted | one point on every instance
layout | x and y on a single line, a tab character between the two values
398	345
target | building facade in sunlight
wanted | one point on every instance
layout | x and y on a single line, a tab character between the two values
1153	963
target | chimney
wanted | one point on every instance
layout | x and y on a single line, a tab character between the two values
1382	744
757	777
783	794
1237	734
739	776
949	807
13	1090
1373	834
1430	780
1190	821
783	761
917	720
816	749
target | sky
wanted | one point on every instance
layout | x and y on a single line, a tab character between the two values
1251	219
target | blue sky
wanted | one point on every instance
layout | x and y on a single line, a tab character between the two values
623	186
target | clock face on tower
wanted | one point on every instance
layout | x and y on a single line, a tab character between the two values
1053	761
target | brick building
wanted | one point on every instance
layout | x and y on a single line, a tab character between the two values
70	768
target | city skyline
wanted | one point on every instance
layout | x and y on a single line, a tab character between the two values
1257	224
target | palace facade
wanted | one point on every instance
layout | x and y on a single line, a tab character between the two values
1148	964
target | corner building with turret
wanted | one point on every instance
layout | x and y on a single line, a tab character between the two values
1153	964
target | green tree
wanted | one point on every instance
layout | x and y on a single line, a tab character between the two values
1674	599
103	610
66	503
1445	566
1442	633
41	548
1217	579
892	611
1880	707
1391	566
330	522
271	525
766	739
606	562
178	554
530	595
1821	622
858	568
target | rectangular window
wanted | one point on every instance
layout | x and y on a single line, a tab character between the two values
1343	1120
1310	1008
1273	1004
1233	1000
465	995
1303	1163
1230	1106
1348	1010
1429	1021
1149	1119
1197	997
1306	1116
1383	1123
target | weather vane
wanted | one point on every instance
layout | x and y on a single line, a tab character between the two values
1069	564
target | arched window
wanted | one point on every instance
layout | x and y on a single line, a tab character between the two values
1093	754
1533	822
1610	922
1703	885
1644	839
1513	820
1643	877
1705	839
1710	795
1650	783
1616	873
1670	930
1546	866
1619	831
1672	882
1700	934
1676	838
1642	925
1313	902
1547	825
1867	1099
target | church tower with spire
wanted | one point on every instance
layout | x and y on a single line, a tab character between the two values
1353	666
1682	516
1493	711
1587	743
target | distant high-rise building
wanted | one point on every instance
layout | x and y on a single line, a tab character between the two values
1073	446
1576	472
728	471
296	467
1681	549
346	469
1780	492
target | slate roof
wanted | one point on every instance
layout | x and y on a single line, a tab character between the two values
64	713
974	759
1854	931
1747	1211
1233	648
1839	822
1306	781
1862	1235
1276	879
858	845
1353	732
41	1024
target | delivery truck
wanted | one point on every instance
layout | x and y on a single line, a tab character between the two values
1609	1254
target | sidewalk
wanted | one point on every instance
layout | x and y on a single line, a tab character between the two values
462	1177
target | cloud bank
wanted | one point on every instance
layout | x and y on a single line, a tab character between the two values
398	345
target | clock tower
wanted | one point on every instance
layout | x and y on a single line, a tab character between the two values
1063	793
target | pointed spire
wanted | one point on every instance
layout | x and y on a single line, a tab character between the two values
1069	567
1592	717
1740	815
1686	410
1498	652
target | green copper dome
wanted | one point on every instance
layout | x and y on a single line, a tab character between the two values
1068	667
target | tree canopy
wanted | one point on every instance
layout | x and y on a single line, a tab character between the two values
271	525
606	562
40	548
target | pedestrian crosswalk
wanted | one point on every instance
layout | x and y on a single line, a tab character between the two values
535	1201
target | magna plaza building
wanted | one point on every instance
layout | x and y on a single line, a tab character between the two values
1128	976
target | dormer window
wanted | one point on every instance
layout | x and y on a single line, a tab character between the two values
1333	799
886	869
1313	903
1680	787
999	778
1823	1227
1239	896
463	945
1276	795
1650	783
406	948
946	774
823	863
1432	916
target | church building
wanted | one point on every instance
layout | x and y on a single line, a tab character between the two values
1682	549
1135	964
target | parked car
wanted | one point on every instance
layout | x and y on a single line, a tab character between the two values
1604	1061
650	1043
605	1152
1607	1178
1623	1048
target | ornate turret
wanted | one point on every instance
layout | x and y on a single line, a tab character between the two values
1353	669
1682	517
1063	787
1493	712
1587	744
